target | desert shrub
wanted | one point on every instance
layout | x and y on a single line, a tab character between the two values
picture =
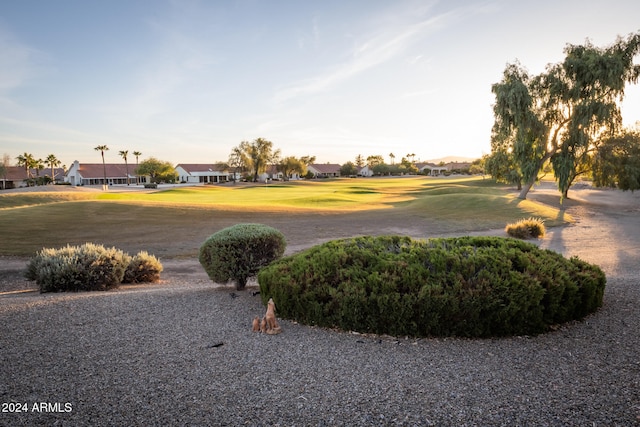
469	286
240	251
89	267
143	268
526	228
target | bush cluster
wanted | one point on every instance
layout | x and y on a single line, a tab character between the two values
468	286
90	267
526	228
240	251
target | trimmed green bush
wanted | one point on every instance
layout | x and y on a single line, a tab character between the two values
240	251
88	267
526	229
468	286
143	268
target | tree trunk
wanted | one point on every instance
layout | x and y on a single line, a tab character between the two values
241	282
525	189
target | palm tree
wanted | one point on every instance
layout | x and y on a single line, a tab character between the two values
52	161
137	154
28	162
123	154
102	149
392	157
39	165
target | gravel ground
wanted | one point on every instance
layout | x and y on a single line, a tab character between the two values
182	353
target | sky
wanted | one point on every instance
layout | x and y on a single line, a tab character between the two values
186	81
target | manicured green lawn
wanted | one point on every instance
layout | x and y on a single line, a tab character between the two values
147	220
339	194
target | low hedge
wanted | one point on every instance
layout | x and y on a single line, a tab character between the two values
90	267
468	286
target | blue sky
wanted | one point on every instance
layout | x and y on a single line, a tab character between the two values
187	80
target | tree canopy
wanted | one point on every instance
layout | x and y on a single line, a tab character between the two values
348	169
617	163
290	165
256	155
158	170
561	115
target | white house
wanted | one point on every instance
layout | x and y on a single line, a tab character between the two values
365	171
203	173
94	174
434	170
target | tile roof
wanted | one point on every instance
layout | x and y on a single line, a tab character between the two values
18	173
114	170
326	168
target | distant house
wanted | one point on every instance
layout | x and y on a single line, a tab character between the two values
365	171
434	170
16	176
458	166
273	173
203	173
328	170
94	173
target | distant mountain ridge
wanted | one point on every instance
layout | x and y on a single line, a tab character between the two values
450	159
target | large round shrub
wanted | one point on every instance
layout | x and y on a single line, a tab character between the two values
468	286
240	251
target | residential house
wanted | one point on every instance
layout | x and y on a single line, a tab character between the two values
273	173
365	171
94	174
203	173
327	170
16	176
434	170
458	166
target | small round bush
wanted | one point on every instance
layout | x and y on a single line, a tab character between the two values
530	228
143	268
88	267
240	251
468	286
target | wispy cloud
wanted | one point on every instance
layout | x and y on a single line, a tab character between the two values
376	50
15	62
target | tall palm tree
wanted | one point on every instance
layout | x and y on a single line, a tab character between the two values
137	154
392	157
102	149
28	161
39	165
123	154
53	162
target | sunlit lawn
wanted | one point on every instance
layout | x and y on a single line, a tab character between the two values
341	195
29	221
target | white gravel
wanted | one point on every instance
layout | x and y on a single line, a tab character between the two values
182	353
